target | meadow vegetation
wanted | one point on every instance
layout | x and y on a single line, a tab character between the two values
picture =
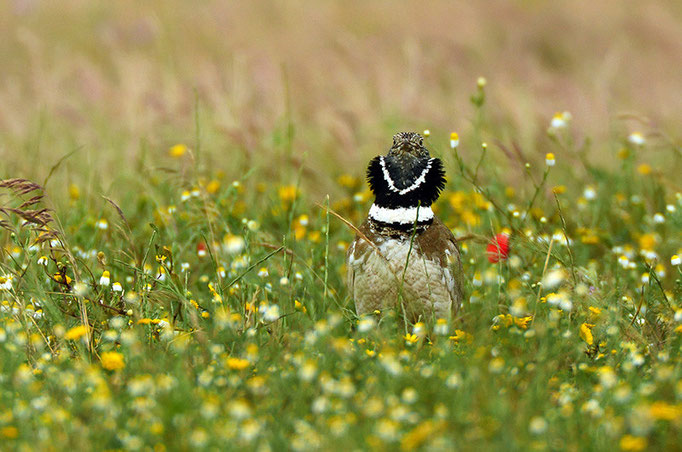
172	189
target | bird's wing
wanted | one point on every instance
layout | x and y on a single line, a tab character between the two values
356	256
438	243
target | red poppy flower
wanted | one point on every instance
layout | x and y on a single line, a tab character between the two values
498	248
201	249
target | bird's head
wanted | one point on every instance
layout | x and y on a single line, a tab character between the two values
407	176
408	144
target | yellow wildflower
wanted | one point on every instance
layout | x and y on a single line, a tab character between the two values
633	443
589	238
594	311
647	241
65	279
470	218
213	187
74	192
112	361
76	332
454	140
644	169
178	150
348	181
461	336
287	193
586	333
9	432
411	338
623	153
457	200
299	306
299	231
237	363
549	159
664	411
421	433
479	201
522	322
637	138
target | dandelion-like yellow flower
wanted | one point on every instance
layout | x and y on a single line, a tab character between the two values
9	432
237	363
633	443
287	193
647	241
299	306
347	180
74	192
664	411
470	218
461	336
586	333
410	338
594	311
457	200
76	332
522	322
213	187
112	361
178	150
644	169
62	278
420	434
623	153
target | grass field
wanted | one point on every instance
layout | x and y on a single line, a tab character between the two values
172	267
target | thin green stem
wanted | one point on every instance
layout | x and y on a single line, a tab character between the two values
407	263
326	253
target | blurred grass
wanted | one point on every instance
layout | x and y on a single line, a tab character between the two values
222	339
324	83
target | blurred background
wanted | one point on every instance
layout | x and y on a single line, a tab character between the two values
269	86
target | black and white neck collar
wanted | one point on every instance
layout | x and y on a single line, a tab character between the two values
404	190
401	215
405	183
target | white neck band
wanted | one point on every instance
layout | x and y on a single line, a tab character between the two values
402	215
